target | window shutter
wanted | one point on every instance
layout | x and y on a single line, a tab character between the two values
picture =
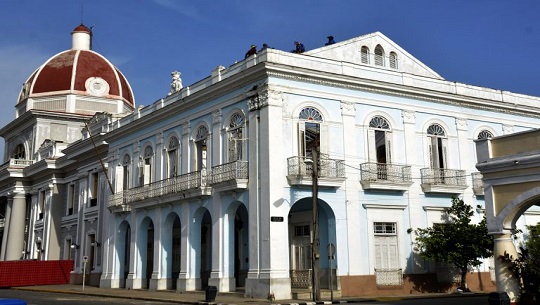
147	174
323	138
233	155
119	179
372	146
388	136
302	139
444	156
433	159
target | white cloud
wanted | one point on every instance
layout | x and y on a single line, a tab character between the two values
183	7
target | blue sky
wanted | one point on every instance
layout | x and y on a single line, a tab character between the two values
491	44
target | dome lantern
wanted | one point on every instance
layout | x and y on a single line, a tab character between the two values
81	38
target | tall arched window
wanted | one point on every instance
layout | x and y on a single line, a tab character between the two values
379	140
437	146
379	56
485	134
379	145
393	60
309	131
19	152
146	168
364	54
236	139
126	175
201	148
172	157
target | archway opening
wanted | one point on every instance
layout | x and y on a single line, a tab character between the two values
301	239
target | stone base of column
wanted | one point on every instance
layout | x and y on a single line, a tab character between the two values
272	288
226	284
135	283
158	284
183	284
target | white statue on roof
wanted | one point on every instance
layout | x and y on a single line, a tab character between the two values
176	83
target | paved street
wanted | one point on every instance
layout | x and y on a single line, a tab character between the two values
459	300
48	298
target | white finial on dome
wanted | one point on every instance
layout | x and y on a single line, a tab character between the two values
81	38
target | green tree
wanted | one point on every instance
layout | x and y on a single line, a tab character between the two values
526	266
457	241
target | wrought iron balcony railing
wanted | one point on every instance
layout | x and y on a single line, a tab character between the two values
478	184
229	171
384	176
300	171
443	180
190	184
328	168
385	172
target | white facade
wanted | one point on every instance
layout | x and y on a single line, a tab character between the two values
212	184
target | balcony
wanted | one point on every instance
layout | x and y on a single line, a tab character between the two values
118	203
16	164
477	184
381	176
191	185
331	172
230	176
442	180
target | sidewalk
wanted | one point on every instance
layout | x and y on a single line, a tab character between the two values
198	297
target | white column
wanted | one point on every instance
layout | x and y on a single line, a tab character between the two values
157	282
6	229
506	281
15	241
351	248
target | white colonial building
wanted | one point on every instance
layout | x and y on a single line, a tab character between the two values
212	184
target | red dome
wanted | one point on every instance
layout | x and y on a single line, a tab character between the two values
82	72
81	28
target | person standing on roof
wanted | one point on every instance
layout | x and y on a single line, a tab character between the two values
251	51
299	47
330	40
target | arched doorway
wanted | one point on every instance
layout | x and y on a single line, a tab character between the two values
170	243
300	242
241	246
123	244
206	249
145	243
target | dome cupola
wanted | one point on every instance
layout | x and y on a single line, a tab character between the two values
78	80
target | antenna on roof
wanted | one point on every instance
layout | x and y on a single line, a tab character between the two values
82	12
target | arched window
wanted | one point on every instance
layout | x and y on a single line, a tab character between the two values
236	137
19	152
379	140
393	60
172	156
146	168
485	134
379	56
437	146
200	145
364	54
309	131
126	175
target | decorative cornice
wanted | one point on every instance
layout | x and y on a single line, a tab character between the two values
348	109
461	124
409	117
216	117
265	98
507	129
396	92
